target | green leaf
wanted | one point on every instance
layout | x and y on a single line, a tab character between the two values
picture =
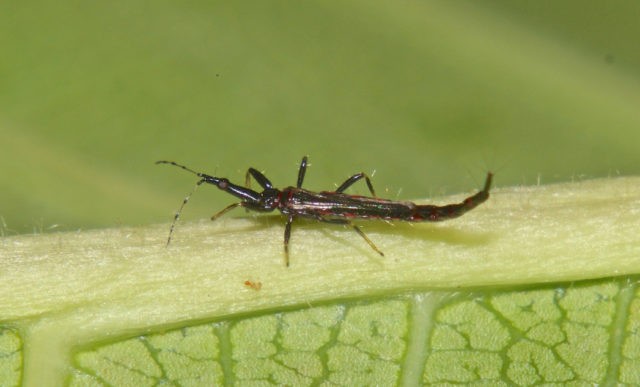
120	308
429	95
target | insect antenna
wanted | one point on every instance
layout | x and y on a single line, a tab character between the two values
186	199
179	166
179	212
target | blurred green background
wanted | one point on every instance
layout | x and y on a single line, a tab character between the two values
429	95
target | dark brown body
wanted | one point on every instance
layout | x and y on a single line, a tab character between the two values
308	204
331	207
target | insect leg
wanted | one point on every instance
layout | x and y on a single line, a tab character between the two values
260	178
302	171
356	228
350	181
225	210
287	235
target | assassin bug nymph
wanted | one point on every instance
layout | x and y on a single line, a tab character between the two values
327	206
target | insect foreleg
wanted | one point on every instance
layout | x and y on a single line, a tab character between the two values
225	210
260	178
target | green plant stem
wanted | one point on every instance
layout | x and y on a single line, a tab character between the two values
64	289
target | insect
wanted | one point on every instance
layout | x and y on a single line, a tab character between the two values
255	285
334	207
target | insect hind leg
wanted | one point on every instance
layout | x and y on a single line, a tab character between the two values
357	229
259	177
